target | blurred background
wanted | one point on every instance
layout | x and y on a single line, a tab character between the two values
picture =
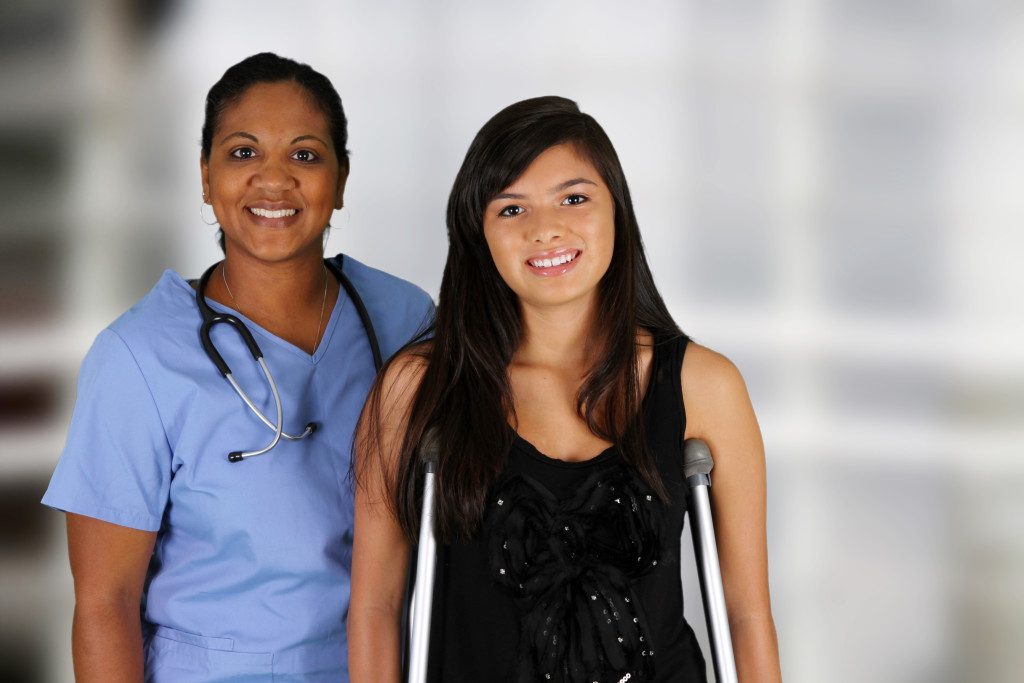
830	194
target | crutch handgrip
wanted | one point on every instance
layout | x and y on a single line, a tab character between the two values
697	466
426	555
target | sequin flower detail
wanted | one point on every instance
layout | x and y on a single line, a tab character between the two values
569	563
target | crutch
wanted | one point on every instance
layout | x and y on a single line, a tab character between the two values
426	556
697	465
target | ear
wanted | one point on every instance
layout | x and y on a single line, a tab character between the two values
339	196
204	171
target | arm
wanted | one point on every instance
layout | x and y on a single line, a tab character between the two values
108	563
719	412
380	555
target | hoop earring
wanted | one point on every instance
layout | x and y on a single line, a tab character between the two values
344	211
202	216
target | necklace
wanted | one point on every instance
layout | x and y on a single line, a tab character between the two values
223	269
323	302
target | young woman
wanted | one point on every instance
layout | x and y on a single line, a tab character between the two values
241	569
561	392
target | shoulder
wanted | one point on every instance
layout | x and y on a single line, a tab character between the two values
372	282
398	309
709	370
386	414
133	350
714	391
401	375
151	322
171	302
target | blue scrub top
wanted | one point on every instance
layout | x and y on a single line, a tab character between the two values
250	574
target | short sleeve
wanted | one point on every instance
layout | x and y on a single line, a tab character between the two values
116	464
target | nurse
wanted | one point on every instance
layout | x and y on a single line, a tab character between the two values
189	567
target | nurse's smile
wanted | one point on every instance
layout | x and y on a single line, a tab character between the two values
273	216
269	213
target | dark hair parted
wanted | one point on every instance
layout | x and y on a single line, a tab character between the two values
465	392
267	67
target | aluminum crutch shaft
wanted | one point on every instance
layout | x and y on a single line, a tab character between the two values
697	465
426	556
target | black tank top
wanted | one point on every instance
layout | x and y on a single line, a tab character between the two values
574	575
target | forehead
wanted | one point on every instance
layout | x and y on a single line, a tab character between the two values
280	105
558	164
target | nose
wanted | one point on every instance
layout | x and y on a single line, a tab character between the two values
273	175
546	225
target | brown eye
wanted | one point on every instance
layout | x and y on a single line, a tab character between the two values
243	153
510	211
574	199
305	155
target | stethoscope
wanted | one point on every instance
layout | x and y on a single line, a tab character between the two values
212	317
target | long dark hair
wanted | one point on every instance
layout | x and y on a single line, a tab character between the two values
267	67
464	393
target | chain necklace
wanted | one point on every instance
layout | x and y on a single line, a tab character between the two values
323	303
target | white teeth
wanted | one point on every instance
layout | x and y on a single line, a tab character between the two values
548	262
280	213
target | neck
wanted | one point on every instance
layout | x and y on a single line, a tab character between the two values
562	337
274	285
291	299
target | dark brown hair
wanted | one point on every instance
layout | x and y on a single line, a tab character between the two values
464	393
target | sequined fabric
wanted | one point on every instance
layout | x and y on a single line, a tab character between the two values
569	563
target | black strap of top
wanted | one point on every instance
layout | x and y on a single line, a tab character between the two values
666	415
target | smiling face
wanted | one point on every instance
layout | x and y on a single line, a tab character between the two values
273	176
551	233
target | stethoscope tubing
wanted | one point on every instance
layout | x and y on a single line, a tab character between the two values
211	317
259	414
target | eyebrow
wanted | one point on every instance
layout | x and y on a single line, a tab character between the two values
250	136
238	134
310	137
556	189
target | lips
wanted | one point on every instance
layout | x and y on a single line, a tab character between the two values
272	213
550	261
